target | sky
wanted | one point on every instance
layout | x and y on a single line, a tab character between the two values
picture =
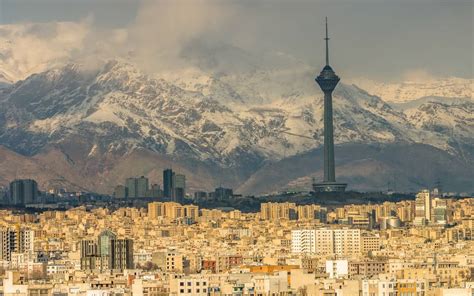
385	40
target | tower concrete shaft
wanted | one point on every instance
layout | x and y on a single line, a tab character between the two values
329	167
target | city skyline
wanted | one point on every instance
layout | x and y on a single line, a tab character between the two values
186	148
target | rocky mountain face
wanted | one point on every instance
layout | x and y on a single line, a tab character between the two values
90	128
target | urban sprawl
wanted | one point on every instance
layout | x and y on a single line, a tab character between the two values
413	247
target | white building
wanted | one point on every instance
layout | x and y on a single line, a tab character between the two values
337	268
325	241
303	241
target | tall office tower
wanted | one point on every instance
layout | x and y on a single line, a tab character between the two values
104	248
179	187
425	197
328	80
168	183
121	254
131	184
440	211
221	193
142	186
137	187
23	192
422	208
105	237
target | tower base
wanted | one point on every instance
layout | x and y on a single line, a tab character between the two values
329	187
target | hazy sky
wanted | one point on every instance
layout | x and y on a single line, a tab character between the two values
378	39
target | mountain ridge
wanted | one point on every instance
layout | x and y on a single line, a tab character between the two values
221	123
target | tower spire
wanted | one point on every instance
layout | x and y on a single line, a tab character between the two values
327	43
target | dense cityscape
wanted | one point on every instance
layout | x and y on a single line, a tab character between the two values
413	247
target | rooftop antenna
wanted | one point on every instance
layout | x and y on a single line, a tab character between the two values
327	43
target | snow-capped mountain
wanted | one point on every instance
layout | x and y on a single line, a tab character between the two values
233	122
225	117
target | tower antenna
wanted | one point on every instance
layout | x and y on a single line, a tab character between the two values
327	43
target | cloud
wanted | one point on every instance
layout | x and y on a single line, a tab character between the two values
29	48
163	28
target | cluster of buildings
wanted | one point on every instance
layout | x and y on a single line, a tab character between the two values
21	192
170	248
174	187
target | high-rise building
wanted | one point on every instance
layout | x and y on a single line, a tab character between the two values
23	192
423	208
440	211
108	253
15	241
121	254
328	80
142	186
221	193
154	191
168	183
131	184
137	187
121	192
105	237
179	187
89	255
303	241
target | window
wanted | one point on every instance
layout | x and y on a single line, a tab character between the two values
181	284
181	291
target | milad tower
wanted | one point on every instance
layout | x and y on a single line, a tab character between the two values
328	80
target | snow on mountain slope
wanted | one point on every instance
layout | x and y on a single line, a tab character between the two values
212	118
411	90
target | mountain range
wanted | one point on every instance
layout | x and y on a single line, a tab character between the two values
231	119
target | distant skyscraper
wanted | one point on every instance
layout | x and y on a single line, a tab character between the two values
221	193
168	183
142	186
137	187
179	187
328	80
23	192
131	185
